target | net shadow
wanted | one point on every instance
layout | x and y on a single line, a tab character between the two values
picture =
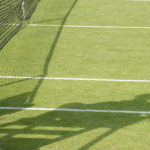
51	51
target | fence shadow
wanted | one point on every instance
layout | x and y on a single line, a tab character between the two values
15	101
85	121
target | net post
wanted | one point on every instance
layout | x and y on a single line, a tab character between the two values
23	10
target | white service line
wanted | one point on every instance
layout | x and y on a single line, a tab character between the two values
73	79
79	26
76	110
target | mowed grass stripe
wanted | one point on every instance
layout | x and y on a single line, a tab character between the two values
109	53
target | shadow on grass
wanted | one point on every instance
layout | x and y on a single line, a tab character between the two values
52	49
39	130
50	20
12	82
70	5
26	99
30	138
15	101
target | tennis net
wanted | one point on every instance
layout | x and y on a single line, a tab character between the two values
29	7
12	15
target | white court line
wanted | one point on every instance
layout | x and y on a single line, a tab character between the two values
76	110
78	26
140	0
73	79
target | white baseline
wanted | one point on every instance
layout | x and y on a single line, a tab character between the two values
73	79
76	110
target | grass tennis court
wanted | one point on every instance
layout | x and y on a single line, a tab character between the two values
46	47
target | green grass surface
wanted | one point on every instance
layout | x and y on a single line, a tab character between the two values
77	53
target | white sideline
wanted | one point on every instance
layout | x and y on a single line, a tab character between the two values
74	79
76	110
79	26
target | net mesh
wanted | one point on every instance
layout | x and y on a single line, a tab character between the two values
29	7
12	15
